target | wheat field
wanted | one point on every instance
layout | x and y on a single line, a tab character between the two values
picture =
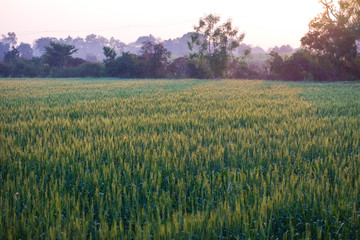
179	159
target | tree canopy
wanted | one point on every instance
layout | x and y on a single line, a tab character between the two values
213	43
12	55
333	34
155	59
58	54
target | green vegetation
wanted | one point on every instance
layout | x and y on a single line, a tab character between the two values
330	47
213	44
330	51
183	159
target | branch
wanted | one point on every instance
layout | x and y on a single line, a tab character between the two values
329	8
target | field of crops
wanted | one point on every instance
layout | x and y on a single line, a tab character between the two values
179	159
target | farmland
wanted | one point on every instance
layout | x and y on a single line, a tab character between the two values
181	159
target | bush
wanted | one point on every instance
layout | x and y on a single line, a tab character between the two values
86	69
4	70
89	69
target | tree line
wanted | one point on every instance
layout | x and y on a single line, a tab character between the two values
211	52
329	52
329	49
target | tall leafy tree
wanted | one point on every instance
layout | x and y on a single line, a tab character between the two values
333	34
110	54
127	66
12	55
350	11
155	59
109	61
58	54
213	43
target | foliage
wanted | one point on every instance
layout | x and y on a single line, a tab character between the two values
152	63
154	59
110	54
239	69
128	66
12	55
179	68
109	61
213	43
25	51
105	159
4	70
329	53
276	64
330	50
333	34
23	67
83	70
187	67
58	54
4	47
300	66
350	13
10	39
41	43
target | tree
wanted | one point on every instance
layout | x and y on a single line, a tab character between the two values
109	61
213	43
41	43
58	54
155	58
178	68
301	65
276	65
333	34
110	54
4	47
12	56
25	50
350	11
127	66
10	39
329	35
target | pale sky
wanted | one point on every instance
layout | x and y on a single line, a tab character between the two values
266	23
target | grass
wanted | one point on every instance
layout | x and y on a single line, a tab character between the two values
181	159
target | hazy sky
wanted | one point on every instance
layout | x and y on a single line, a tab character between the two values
265	22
